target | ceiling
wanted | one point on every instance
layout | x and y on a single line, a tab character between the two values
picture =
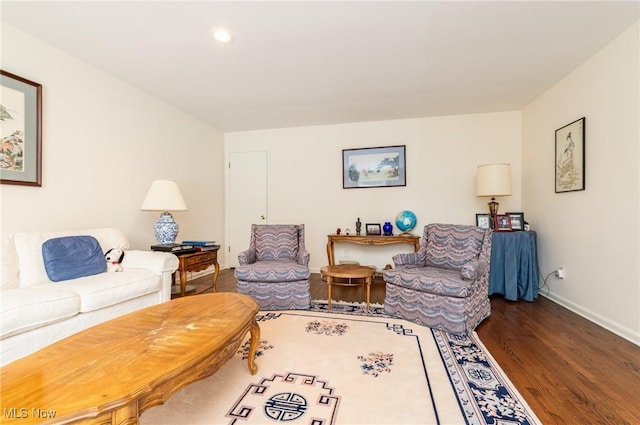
317	63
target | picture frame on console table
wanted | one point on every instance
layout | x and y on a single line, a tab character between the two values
374	167
373	229
483	220
502	223
570	157
517	220
21	130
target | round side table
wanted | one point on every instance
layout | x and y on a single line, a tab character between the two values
348	271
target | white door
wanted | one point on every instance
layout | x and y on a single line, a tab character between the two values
247	199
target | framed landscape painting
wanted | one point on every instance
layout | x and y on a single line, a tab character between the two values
20	130
374	167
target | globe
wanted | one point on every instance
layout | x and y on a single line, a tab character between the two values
406	221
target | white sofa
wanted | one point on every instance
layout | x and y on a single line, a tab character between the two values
36	312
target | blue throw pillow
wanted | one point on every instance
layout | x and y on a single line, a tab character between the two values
71	257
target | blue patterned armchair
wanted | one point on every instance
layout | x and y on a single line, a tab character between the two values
275	268
445	285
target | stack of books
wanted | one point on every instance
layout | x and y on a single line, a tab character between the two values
174	248
202	245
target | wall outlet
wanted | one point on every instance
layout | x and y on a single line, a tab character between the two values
560	272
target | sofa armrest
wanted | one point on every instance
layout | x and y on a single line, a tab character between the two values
159	262
406	259
303	257
247	257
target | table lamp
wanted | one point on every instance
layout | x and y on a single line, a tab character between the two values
493	180
164	195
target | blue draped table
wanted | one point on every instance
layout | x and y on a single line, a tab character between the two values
514	265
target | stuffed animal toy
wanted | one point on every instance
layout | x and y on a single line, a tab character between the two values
114	257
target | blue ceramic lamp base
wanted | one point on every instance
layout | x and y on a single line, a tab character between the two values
166	229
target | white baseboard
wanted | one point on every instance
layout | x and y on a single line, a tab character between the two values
614	327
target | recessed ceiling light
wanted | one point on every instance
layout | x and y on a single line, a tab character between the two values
222	36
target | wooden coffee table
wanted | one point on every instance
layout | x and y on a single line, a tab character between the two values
349	271
112	372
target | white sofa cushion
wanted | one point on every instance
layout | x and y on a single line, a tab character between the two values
29	249
106	289
26	309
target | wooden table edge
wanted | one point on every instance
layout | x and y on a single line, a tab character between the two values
127	409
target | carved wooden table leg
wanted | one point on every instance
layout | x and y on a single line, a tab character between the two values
215	274
255	339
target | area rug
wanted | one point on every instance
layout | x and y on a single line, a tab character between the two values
322	368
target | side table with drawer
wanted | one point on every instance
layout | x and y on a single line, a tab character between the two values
195	262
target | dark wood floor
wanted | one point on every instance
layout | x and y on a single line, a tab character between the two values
568	369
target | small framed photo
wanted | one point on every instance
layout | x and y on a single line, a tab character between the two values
483	220
517	220
373	229
502	223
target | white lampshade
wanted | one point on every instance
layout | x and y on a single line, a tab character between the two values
493	180
164	195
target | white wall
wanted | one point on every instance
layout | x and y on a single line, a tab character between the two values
305	175
104	142
593	233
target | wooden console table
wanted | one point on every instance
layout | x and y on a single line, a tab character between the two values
369	240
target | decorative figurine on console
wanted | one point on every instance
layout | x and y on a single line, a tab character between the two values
338	231
114	257
358	226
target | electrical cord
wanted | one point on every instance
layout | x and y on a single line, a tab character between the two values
544	282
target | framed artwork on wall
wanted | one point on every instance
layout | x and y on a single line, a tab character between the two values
20	130
569	160
374	167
